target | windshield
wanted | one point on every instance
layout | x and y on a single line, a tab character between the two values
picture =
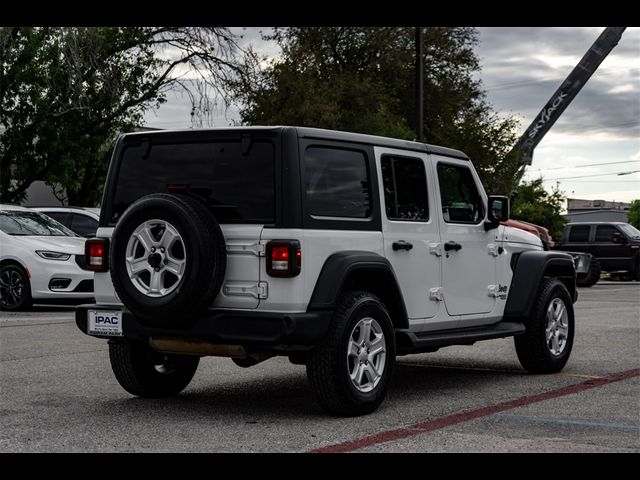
18	222
630	230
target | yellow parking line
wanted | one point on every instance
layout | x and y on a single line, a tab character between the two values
578	375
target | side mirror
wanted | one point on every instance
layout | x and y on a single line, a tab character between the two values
618	238
497	211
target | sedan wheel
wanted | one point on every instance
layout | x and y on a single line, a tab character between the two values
15	290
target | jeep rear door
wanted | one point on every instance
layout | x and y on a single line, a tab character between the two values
410	229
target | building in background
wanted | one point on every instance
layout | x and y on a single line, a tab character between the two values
580	210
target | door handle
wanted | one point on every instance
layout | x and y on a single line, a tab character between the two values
401	245
452	246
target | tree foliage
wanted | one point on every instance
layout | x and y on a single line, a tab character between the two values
634	214
534	204
362	79
66	93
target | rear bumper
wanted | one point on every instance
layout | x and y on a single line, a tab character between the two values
277	331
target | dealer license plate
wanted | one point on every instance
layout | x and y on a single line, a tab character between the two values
104	323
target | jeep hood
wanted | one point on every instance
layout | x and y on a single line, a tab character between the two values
515	235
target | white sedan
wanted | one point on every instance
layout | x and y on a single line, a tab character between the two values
38	260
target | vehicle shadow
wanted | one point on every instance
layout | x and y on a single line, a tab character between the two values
279	397
47	308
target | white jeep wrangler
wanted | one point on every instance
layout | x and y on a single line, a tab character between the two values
338	250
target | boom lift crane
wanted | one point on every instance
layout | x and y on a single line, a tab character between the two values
563	96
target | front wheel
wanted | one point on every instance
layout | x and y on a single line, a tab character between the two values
546	345
143	371
15	289
350	370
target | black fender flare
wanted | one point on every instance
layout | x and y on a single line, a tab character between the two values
529	270
359	270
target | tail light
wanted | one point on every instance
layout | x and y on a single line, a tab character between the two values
284	258
96	255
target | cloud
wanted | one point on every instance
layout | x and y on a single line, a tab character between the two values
522	68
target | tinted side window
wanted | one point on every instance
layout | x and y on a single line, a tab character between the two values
405	188
237	185
604	233
61	217
461	201
336	183
84	225
579	233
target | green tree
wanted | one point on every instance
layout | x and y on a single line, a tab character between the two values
534	204
634	214
362	79
66	93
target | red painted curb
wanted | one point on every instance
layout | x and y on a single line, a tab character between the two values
442	422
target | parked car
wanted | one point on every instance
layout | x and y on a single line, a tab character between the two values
337	250
39	260
615	247
83	221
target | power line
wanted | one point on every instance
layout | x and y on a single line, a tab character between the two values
522	83
593	175
606	181
590	165
599	127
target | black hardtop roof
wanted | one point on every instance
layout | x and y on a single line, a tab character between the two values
317	133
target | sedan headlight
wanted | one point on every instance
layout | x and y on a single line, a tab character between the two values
53	255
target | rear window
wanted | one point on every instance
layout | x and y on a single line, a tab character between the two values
239	188
336	183
84	225
405	188
579	233
61	217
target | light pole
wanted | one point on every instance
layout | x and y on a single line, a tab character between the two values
419	86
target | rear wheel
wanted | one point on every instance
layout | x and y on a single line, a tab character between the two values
350	370
15	289
546	345
143	371
590	278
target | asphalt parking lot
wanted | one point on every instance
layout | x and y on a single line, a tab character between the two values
57	394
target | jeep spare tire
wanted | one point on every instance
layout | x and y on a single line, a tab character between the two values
168	258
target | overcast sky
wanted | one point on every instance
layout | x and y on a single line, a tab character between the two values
521	68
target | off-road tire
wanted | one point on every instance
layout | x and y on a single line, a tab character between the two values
143	371
327	364
205	255
532	347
